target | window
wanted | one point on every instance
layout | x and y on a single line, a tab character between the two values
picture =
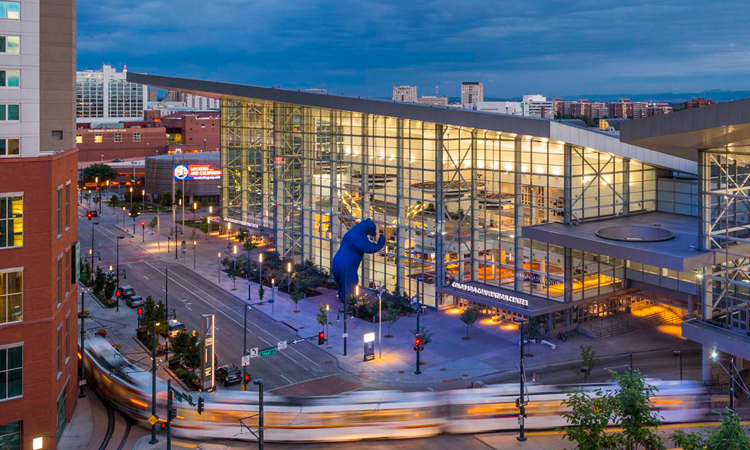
136	137
57	135
59	211
98	138
9	112
10	44
10	10
11	296
203	125
9	147
10	436
62	412
10	78
118	137
11	221
79	139
11	371
66	274
59	280
59	351
66	338
67	206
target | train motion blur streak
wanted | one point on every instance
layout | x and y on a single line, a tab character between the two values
359	415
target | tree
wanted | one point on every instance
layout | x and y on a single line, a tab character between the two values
99	280
469	317
192	358
730	436
135	210
588	361
180	344
248	246
588	417
531	330
86	273
296	297
166	200
322	316
109	288
103	171
114	201
633	409
261	292
392	314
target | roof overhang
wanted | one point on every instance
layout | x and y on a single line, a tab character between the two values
679	253
683	133
503	123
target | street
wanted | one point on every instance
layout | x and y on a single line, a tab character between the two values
191	295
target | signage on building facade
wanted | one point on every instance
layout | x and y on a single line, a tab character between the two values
196	172
492	294
207	352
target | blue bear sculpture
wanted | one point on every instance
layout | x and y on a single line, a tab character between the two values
353	247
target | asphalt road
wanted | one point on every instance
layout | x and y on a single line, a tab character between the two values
191	296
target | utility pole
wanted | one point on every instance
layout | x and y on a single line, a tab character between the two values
82	370
247	270
521	399
195	247
93	247
153	384
166	310
244	345
419	330
170	415
259	383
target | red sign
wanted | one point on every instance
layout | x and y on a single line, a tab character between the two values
197	172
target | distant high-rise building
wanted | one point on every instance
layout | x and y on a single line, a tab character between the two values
406	94
153	94
698	102
433	100
658	109
199	103
536	105
472	92
175	97
105	95
558	106
38	223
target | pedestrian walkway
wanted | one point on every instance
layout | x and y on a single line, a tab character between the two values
448	361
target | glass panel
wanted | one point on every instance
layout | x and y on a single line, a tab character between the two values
3	78
15	383
14	78
3	147
14	112
3	47
14	44
13	147
14	10
3	10
2	112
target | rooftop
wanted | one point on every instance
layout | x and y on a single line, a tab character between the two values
516	125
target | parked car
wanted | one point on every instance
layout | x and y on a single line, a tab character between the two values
228	374
135	301
117	160
127	291
175	327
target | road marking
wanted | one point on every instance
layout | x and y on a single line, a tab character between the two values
144	276
186	306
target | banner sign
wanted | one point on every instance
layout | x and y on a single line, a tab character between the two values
207	353
492	294
196	172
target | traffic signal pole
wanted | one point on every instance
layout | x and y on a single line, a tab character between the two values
153	386
82	377
521	401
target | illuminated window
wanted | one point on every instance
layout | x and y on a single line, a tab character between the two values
98	139
10	44
11	296
11	371
118	137
10	78
79	139
9	147
10	10
11	221
136	137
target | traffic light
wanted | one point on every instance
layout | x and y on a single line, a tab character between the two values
200	405
418	344
171	413
143	223
89	215
246	380
163	424
140	311
118	293
321	338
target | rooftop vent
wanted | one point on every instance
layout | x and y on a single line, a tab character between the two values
635	234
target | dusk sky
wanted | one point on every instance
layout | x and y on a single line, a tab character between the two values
556	48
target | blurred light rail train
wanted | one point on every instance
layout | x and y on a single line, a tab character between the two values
359	415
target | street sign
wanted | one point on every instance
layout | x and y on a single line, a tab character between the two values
281	345
254	352
267	352
82	382
207	354
298	340
245	360
346	335
152	420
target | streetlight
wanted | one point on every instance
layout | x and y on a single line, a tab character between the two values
131	197
289	278
92	247
260	275
218	267
678	354
123	217
327	321
143	198
195	209
117	276
273	295
732	381
380	320
419	330
521	400
229	229
208	221
195	246
234	270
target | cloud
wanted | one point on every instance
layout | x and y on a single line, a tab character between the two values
364	47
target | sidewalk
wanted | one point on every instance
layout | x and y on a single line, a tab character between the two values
448	361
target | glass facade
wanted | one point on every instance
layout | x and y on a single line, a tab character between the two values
725	229
451	201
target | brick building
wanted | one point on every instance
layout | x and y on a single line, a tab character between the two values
698	102
106	144
195	129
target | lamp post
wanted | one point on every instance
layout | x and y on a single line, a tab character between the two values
244	346
273	295
247	270
166	311
259	383
195	246
234	270
117	276
208	221
521	401
131	197
123	217
218	267
229	229
92	246
153	384
327	322
195	209
260	275
419	313
143	200
380	320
